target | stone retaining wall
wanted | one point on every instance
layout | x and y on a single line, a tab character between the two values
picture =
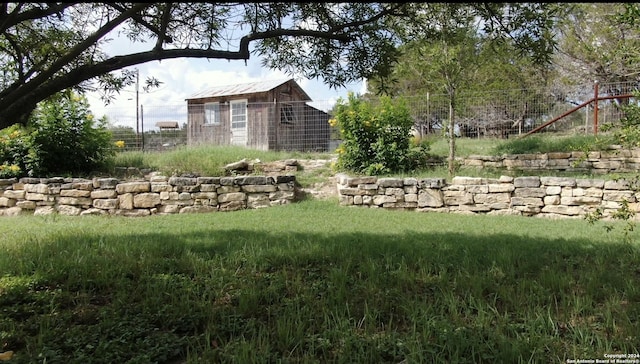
600	162
155	195
529	196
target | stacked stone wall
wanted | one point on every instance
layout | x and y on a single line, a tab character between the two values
154	195
613	160
528	196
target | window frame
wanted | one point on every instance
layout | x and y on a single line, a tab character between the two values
287	115
232	113
214	110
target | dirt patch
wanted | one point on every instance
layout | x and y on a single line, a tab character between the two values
323	189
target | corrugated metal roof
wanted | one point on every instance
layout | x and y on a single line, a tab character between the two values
239	89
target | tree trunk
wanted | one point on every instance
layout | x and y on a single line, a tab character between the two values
16	114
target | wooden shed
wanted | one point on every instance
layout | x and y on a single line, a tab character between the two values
266	115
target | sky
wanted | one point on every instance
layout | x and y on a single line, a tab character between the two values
183	77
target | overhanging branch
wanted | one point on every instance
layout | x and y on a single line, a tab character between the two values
47	74
9	20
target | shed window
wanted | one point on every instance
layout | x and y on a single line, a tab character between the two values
286	114
212	113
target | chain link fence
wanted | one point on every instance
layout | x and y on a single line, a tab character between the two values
303	126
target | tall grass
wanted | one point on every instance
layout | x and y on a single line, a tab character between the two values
314	282
537	143
204	160
548	144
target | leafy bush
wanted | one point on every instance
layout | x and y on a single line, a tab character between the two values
15	145
67	139
375	136
62	138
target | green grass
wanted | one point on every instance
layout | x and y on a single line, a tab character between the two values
536	143
548	144
464	146
315	282
204	160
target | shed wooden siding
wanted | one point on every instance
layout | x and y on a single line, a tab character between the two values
257	121
265	130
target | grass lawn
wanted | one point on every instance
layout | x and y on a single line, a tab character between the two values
314	282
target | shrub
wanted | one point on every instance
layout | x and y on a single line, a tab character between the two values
375	136
67	139
62	138
15	146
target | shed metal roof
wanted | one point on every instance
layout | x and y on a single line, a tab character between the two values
243	89
167	124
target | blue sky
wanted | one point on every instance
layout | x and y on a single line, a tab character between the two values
183	77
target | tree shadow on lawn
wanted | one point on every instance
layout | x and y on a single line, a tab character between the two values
251	274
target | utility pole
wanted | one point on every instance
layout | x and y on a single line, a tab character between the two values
142	125
137	109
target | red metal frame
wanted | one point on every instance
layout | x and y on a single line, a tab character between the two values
595	100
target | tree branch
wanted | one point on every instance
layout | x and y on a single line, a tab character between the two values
64	60
162	34
374	18
23	105
25	93
86	72
7	20
144	23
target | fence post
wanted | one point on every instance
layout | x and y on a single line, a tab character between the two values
586	120
595	108
428	115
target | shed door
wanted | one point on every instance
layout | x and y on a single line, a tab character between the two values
239	122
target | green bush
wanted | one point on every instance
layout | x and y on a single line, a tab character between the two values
375	136
62	138
67	139
15	147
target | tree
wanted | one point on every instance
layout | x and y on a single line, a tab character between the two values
49	47
468	48
604	41
596	45
489	68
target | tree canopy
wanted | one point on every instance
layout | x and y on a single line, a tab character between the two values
597	44
46	48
